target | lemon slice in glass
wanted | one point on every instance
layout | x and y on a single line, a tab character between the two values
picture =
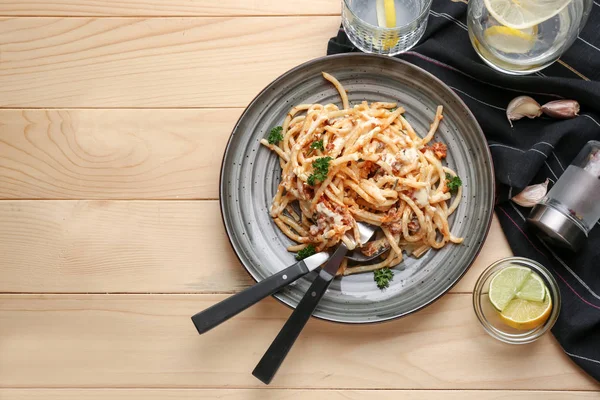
390	13
523	14
510	40
386	18
526	315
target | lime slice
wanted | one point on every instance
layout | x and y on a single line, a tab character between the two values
526	315
533	289
523	14
390	13
509	40
505	285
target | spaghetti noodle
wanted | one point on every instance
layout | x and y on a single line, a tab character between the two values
362	163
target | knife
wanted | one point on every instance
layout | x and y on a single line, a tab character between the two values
271	361
231	306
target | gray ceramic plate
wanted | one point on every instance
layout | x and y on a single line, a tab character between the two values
250	174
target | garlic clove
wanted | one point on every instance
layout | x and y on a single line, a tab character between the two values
531	195
561	109
522	106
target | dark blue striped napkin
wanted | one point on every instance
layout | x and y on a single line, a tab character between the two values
528	153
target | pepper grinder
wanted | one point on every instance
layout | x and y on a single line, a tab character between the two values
572	207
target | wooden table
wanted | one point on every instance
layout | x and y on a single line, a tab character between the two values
114	118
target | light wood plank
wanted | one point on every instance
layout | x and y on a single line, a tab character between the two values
135	246
160	62
140	8
149	341
103	246
113	154
288	394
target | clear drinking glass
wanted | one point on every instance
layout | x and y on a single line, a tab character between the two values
364	22
522	37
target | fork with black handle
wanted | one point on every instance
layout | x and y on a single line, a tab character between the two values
271	361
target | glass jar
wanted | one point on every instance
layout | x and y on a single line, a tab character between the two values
522	37
488	316
572	207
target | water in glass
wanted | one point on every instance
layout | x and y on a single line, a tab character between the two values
365	23
524	36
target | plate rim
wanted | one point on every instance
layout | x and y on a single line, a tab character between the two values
453	95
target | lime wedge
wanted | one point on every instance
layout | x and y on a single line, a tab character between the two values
533	289
505	285
523	14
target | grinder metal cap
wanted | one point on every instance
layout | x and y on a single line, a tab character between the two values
557	228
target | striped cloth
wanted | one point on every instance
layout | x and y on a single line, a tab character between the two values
528	153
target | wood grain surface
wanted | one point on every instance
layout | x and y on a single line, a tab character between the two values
113	154
151	62
136	246
113	120
149	341
167	8
288	394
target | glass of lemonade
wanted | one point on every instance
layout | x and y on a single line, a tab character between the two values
386	27
520	37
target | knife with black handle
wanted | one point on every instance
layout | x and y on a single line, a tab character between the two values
221	312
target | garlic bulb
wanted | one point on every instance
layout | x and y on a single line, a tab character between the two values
522	106
531	195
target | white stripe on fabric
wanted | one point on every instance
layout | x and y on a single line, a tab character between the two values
477	100
504	145
548	165
582	357
588	43
546	143
517	210
449	18
585	115
558	161
523	151
456	20
541	152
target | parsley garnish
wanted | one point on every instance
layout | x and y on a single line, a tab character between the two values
321	169
383	277
305	252
453	182
317	144
393	109
275	136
